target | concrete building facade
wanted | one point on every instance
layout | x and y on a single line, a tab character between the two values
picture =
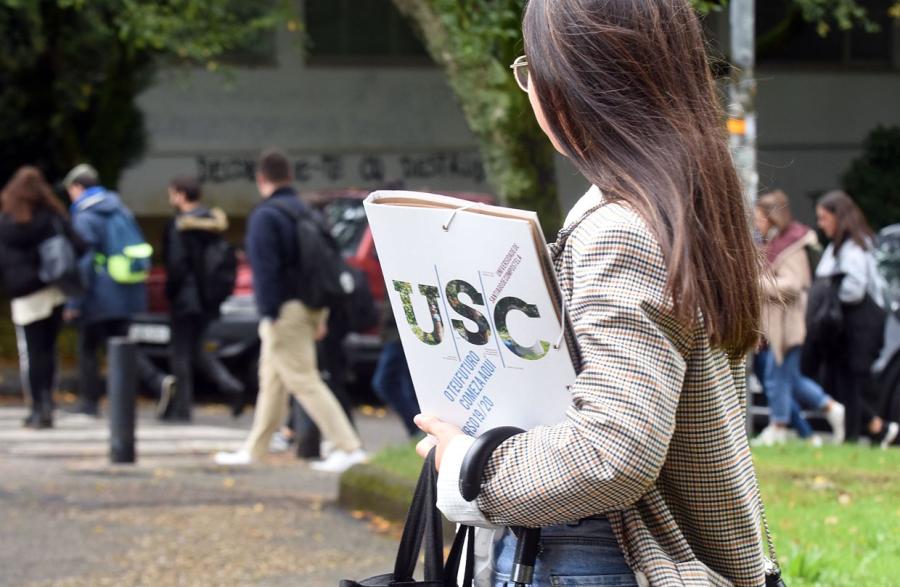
349	122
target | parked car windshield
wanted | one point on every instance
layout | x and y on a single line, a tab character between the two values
347	219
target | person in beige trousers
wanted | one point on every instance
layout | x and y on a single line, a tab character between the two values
288	329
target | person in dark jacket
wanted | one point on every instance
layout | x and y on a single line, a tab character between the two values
188	236
107	306
288	328
392	382
849	262
30	215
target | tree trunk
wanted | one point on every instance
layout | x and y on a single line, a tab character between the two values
518	157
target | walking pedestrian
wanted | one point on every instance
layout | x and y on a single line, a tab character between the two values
786	245
200	274
114	266
649	479
848	261
392	382
356	314
289	329
29	215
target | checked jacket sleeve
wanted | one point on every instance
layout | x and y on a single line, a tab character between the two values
611	448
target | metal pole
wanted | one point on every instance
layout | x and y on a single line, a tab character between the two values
121	389
742	117
742	95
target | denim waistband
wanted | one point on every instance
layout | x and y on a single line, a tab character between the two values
594	526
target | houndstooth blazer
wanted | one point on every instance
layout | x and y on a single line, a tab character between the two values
655	439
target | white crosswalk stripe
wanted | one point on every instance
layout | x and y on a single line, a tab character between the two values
77	436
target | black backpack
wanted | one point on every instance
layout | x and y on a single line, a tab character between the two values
219	273
322	277
813	256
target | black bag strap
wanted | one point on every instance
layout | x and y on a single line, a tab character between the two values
562	237
59	228
295	215
465	534
423	523
296	231
304	218
57	224
303	215
286	208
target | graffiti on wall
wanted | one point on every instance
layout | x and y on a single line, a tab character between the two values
349	169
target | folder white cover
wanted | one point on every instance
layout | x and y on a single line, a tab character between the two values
476	303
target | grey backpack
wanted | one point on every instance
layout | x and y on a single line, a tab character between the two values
59	263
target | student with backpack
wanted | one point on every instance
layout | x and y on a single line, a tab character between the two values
201	268
358	314
114	270
298	273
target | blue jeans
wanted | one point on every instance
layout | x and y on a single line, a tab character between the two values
787	390
393	384
583	553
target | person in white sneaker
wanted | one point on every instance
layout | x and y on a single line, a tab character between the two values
847	351
884	434
289	326
787	246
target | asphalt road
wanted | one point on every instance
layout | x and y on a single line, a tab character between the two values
69	519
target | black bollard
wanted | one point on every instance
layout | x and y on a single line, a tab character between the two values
121	389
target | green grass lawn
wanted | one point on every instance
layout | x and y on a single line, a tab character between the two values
834	511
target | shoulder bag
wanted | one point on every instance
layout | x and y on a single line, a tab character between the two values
423	529
58	262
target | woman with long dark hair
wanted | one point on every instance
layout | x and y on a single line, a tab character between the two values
852	351
30	214
649	479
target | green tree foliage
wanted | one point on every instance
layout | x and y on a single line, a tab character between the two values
873	179
71	70
474	41
825	14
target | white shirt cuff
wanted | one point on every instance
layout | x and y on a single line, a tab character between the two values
449	499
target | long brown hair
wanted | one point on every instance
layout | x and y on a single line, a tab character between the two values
851	223
627	90
26	193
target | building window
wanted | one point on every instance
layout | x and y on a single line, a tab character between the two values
360	32
783	37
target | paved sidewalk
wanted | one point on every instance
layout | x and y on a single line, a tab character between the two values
82	436
69	519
